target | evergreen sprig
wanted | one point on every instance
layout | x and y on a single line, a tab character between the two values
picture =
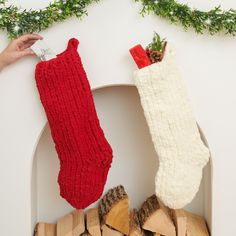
17	21
157	43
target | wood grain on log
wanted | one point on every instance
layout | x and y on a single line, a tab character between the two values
107	231
196	225
72	224
180	221
154	216
43	229
114	209
78	222
93	222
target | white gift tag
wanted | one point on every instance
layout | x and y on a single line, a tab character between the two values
42	50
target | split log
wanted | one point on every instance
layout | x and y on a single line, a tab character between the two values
93	222
196	225
107	231
71	224
43	229
154	216
180	221
65	226
135	229
78	222
114	209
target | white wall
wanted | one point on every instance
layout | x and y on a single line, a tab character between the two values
112	27
134	165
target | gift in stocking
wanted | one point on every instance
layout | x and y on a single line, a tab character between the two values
84	153
182	154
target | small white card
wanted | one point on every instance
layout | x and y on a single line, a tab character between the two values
42	50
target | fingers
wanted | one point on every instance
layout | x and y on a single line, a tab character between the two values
28	37
26	52
27	44
25	39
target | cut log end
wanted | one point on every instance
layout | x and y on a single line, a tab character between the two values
148	208
154	217
114	209
113	196
118	216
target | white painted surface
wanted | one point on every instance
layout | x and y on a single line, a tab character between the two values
112	27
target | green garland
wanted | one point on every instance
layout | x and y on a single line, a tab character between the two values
214	21
18	21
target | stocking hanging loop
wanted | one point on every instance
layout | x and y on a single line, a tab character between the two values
73	44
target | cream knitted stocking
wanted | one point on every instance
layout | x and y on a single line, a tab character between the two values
182	154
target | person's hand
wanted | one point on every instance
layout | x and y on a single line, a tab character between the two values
17	49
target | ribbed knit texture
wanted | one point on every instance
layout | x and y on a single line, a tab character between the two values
84	153
182	154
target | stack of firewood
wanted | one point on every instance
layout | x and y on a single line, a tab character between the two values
113	218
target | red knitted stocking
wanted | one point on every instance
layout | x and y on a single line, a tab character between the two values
84	153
